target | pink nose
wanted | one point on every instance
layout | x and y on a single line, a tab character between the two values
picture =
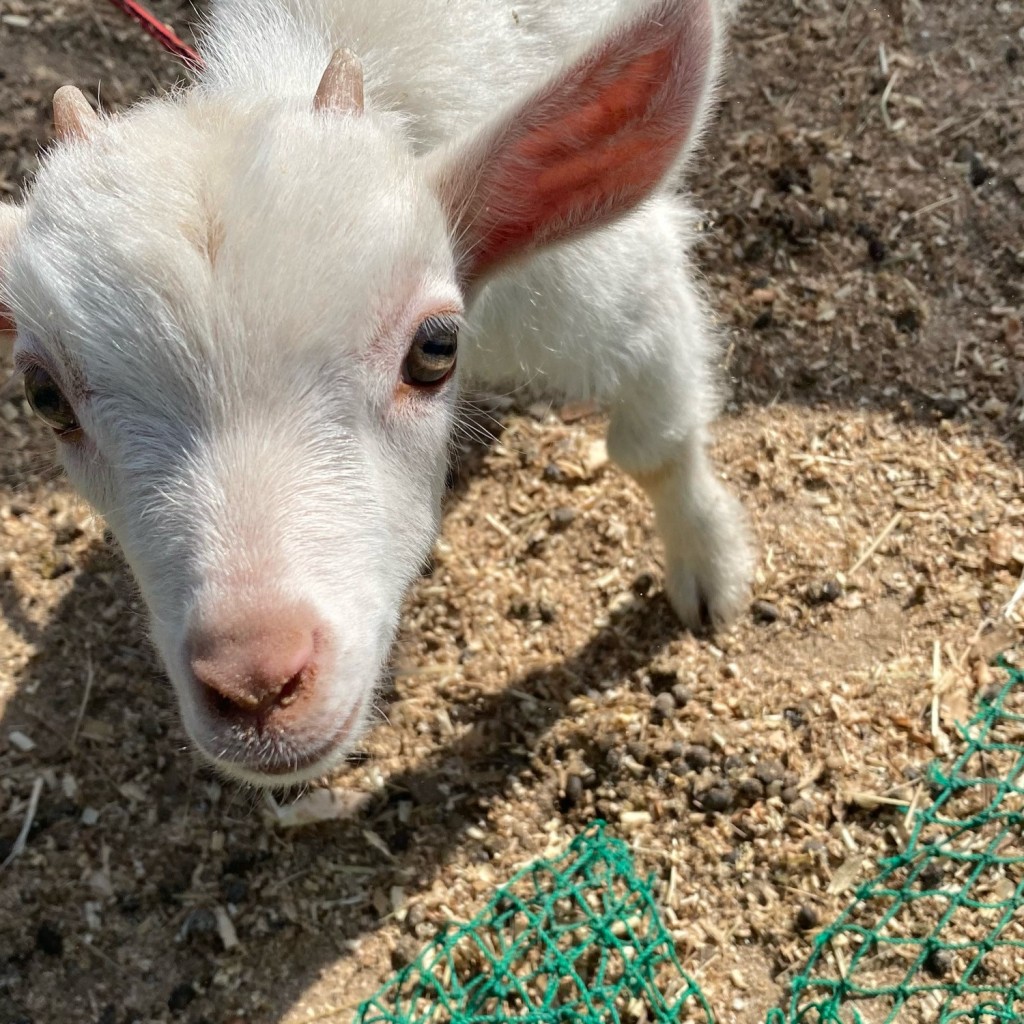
256	661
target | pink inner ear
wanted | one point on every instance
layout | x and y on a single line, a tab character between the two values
592	145
6	323
624	100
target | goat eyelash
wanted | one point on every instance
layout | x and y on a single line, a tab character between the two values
25	361
74	389
452	322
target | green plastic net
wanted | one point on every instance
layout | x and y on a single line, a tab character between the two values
576	940
936	936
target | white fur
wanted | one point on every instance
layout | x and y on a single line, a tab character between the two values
228	282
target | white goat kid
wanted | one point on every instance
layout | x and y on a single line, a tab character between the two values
238	309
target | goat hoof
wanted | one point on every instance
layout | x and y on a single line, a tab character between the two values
711	594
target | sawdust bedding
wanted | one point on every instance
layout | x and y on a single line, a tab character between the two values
862	196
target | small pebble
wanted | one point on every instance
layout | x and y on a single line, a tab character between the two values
795	717
562	517
664	705
908	321
681	695
21	742
236	890
404	952
765	612
806	919
978	172
938	963
931	876
824	593
638	750
769	771
750	791
945	407
573	790
200	921
697	757
181	995
49	940
801	809
643	584
717	799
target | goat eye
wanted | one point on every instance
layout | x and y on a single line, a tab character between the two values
48	401
431	357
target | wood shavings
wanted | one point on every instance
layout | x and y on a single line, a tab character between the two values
225	929
18	846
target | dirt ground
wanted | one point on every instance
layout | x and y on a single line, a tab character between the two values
863	193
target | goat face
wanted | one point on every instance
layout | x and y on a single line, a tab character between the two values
244	344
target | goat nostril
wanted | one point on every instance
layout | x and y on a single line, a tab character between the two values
290	691
230	706
255	666
252	692
223	707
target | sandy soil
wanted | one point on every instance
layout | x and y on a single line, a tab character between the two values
863	194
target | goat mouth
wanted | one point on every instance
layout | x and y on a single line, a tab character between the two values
280	761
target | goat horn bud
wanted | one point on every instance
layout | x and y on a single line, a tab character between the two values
341	87
73	117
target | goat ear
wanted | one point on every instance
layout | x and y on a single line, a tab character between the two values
73	116
10	218
588	146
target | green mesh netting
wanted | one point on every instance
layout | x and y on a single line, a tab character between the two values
575	940
936	936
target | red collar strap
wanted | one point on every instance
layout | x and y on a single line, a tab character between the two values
161	33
